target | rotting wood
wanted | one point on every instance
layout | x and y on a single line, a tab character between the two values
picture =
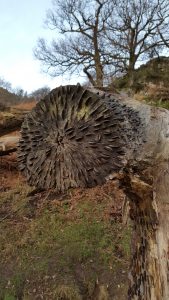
145	181
8	144
76	137
11	120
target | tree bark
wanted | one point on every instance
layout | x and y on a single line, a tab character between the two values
131	69
146	184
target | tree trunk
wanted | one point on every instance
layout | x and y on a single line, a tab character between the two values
89	76
131	68
97	58
130	75
149	270
146	185
99	73
77	137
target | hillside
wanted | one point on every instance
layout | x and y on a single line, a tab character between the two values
151	82
155	71
7	98
10	99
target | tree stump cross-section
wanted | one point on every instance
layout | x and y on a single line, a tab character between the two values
74	138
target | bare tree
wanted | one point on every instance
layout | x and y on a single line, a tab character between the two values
5	84
137	30
100	37
40	93
81	48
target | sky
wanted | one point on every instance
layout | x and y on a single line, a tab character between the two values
21	24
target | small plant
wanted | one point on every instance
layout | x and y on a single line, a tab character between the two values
9	297
64	292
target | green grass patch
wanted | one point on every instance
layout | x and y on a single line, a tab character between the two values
53	241
9	297
157	103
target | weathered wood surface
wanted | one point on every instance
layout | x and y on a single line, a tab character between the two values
75	138
8	144
11	120
80	138
145	180
146	183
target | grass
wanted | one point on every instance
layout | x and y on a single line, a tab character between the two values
46	244
153	101
158	103
65	292
9	297
150	84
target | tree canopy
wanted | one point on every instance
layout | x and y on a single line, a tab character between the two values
102	38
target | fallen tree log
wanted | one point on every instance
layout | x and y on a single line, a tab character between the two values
76	137
11	120
8	144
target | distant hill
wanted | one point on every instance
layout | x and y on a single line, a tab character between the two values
7	98
155	71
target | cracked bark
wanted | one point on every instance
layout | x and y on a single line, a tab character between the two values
146	183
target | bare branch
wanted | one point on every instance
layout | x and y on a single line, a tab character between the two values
102	35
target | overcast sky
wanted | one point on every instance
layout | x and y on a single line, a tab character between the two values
21	24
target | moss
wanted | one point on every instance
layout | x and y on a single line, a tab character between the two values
83	112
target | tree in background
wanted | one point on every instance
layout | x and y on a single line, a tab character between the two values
20	92
5	84
138	30
40	93
81	24
103	36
